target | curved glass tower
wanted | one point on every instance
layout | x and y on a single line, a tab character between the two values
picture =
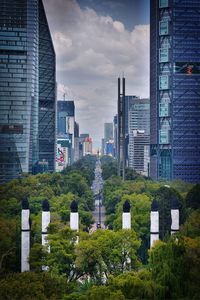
175	90
20	86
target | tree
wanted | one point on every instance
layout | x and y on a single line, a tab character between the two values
193	197
107	252
36	286
165	195
174	263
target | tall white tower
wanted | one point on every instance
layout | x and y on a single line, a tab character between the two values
175	215
126	216
25	236
154	223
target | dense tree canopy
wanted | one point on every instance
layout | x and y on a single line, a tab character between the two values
111	264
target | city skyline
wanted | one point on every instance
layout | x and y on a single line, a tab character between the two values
94	45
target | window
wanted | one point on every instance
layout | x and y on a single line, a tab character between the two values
163	55
163	109
163	136
163	82
163	28
163	3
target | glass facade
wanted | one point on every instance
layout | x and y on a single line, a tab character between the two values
47	92
66	129
19	87
177	157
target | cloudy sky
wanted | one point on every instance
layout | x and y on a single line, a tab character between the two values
96	41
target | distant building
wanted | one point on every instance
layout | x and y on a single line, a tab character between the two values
76	142
108	132
102	147
110	148
138	111
146	161
175	90
65	134
138	141
82	138
27	89
87	146
115	136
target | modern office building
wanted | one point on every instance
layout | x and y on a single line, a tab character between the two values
138	126
110	148
108	131
27	89
175	90
76	142
115	134
65	133
87	146
47	93
138	141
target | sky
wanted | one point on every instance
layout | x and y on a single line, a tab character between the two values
96	41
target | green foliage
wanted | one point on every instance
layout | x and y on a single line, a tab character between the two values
109	167
107	252
191	228
32	286
85	166
9	245
61	259
176	266
38	257
164	197
193	197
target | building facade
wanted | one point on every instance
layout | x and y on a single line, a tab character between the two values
175	90
65	133
138	127
21	94
108	132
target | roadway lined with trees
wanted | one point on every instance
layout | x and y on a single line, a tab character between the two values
96	268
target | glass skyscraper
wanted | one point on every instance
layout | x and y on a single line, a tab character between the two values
27	88
175	90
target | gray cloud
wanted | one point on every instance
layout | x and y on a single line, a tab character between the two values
92	51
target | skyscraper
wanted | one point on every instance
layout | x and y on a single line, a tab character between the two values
175	90
108	132
138	123
27	88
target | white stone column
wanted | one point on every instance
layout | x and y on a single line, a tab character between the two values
175	216
25	236
126	216
154	230
45	221
74	217
126	224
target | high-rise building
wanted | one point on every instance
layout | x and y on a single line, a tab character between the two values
76	142
115	135
65	133
27	89
138	141
87	146
175	90
108	132
138	123
47	93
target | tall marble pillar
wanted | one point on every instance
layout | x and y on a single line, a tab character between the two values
154	231
25	236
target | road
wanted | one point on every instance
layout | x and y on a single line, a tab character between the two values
97	186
